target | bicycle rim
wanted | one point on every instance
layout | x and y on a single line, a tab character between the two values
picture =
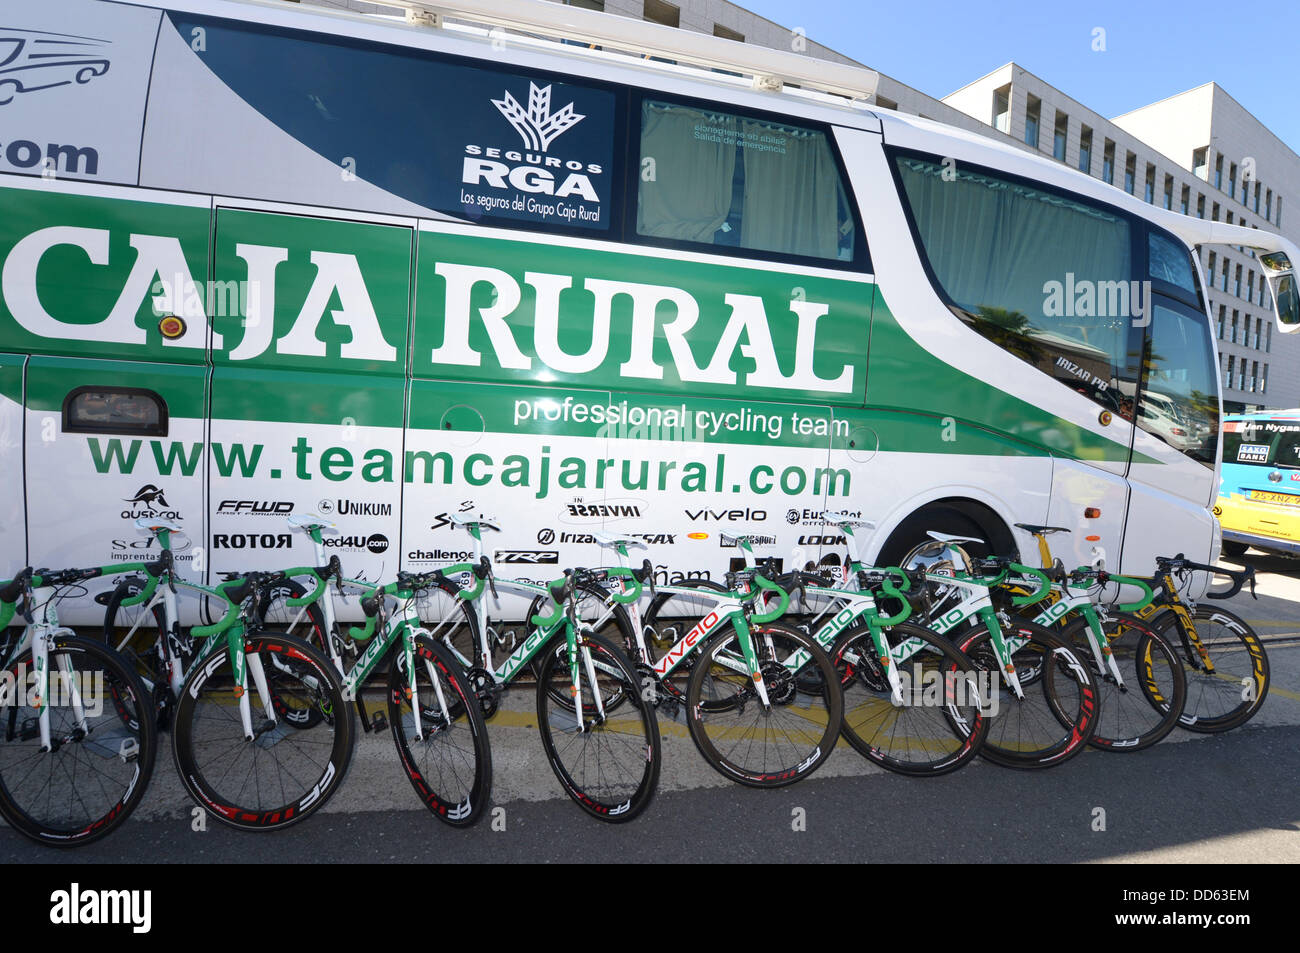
98	769
611	767
286	773
938	728
1229	696
746	742
451	766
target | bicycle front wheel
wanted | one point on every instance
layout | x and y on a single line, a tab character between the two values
756	744
286	772
608	764
102	744
1056	715
450	767
1227	684
938	728
1143	709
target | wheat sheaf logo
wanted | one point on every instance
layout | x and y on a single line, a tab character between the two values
537	125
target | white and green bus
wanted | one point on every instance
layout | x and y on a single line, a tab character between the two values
258	260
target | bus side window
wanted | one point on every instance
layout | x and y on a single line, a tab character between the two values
121	410
710	177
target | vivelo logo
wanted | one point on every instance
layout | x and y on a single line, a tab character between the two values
537	126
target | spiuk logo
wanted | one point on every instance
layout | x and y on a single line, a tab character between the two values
537	125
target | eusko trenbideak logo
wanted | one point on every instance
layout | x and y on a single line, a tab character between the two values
537	125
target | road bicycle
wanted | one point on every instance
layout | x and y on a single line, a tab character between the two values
255	759
432	710
1225	664
1139	676
78	743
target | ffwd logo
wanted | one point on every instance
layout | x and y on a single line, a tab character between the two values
537	125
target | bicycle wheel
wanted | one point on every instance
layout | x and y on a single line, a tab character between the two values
1148	705
750	744
98	768
288	771
302	622
609	766
450	620
451	767
1057	714
133	633
669	618
1234	691
938	728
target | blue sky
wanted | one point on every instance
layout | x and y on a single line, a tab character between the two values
1153	49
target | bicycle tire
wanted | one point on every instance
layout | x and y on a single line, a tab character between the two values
451	768
1236	691
718	696
585	762
1155	685
1036	731
593	605
208	743
117	752
939	734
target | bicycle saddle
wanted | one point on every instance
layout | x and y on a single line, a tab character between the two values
151	524
945	538
1038	530
841	519
308	520
470	520
613	539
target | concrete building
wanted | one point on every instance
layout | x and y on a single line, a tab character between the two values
1199	152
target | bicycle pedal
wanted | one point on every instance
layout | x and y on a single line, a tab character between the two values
378	722
30	729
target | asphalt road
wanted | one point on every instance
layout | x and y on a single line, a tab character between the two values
1193	798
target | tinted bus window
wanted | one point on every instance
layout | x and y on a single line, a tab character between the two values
714	178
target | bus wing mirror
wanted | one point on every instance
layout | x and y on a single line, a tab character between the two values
1282	284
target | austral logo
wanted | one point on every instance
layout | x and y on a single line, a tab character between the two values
149	501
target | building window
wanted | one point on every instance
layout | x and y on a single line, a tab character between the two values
1200	163
1032	111
1268	338
1223	312
1214	212
1235	314
1236	284
886	103
1002	109
1256	198
1130	172
1200	206
658	11
1184	203
1218	173
1169	193
1060	136
1263	380
1268	206
1278	223
1227	377
1149	189
1085	150
727	34
1108	163
1223	286
1254	373
1232	179
1259	331
588	4
1250	290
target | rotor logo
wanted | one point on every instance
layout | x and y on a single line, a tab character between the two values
537	126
